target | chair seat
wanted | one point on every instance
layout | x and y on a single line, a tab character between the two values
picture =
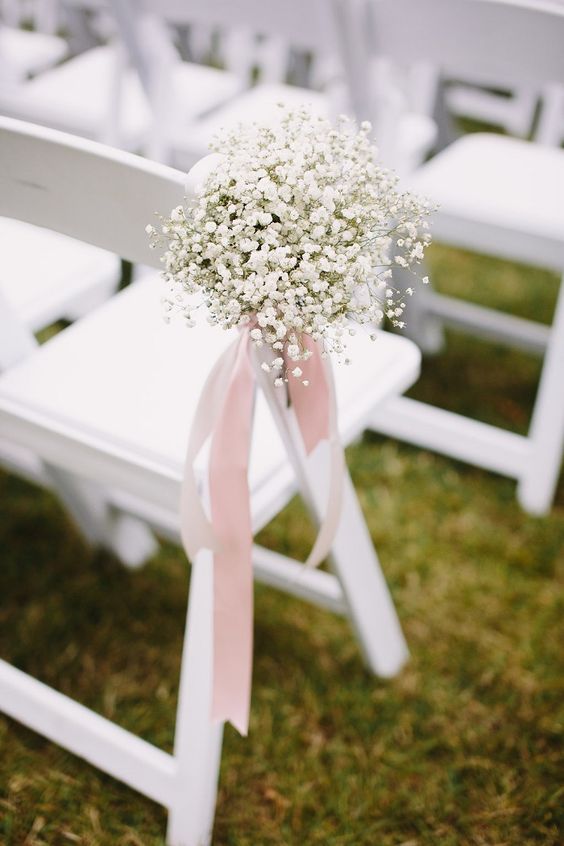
25	53
77	97
57	275
509	194
125	384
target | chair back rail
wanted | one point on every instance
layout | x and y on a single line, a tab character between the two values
97	194
306	24
515	42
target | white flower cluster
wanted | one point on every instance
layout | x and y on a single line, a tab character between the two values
296	230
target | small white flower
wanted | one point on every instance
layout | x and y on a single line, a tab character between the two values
293	351
297	372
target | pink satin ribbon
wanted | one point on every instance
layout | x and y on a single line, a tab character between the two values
225	413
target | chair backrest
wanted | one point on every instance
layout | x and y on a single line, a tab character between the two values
310	26
514	42
306	24
99	195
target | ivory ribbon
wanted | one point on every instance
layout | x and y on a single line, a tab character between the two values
224	413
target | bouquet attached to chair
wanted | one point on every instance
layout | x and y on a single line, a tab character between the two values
291	236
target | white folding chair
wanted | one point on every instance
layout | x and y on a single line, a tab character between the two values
96	95
110	399
309	26
257	37
497	195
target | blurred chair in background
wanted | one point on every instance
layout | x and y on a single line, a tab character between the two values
170	106
500	196
513	111
259	39
96	95
538	115
112	398
529	112
255	38
25	52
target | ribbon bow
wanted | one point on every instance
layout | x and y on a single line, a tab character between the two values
225	413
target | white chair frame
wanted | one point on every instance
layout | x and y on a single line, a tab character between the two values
514	112
46	181
463	37
550	126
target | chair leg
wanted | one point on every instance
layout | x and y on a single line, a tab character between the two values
536	487
370	607
355	563
197	747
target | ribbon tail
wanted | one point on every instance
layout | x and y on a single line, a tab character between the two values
231	519
195	527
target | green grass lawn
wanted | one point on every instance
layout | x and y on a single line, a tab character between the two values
461	748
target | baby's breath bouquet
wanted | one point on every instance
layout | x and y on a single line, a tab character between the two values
291	237
295	231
